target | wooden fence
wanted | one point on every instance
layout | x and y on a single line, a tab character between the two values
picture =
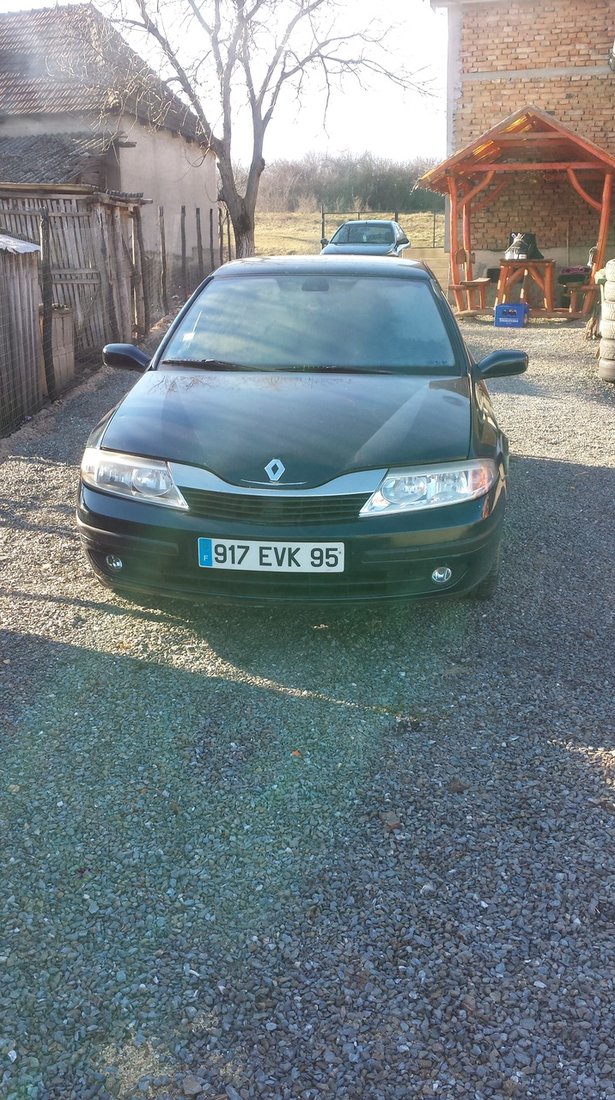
179	278
89	260
92	263
20	343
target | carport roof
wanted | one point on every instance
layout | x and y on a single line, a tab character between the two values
529	140
533	142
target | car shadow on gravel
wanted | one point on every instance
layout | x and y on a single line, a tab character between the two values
153	610
557	542
202	870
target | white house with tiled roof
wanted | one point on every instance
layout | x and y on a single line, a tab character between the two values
78	105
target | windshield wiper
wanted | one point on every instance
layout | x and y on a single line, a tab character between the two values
224	364
333	368
207	364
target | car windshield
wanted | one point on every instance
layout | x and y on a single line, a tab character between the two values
315	321
364	234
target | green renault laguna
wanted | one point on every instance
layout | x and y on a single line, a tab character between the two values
310	429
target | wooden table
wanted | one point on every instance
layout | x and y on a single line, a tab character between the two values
539	272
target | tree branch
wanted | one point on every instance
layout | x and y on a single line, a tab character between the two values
254	51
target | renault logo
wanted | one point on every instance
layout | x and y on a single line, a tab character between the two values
275	469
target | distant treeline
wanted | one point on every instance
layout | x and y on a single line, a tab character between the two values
346	183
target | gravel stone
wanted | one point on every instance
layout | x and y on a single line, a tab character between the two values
296	854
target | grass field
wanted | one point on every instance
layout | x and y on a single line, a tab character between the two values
296	234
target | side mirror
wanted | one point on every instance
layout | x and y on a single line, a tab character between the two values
324	242
125	356
498	364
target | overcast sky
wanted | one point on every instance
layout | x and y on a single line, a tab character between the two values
381	119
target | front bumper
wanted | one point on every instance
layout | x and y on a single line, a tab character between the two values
387	558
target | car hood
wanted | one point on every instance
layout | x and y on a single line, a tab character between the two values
359	249
319	425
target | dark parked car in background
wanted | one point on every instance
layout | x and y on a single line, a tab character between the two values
366	238
310	429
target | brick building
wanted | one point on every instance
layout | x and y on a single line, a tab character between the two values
504	56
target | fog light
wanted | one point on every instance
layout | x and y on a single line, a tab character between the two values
442	574
114	563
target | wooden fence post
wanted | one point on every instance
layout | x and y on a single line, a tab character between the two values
221	235
163	261
107	272
142	291
199	246
211	238
47	296
124	275
184	259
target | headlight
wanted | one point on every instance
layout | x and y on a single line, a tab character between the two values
145	479
417	488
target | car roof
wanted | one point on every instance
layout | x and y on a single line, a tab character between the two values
369	221
323	264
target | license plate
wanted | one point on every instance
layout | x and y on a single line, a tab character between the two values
272	557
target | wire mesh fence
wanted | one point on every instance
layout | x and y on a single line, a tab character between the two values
301	232
431	223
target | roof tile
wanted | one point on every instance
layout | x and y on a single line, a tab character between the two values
63	59
55	158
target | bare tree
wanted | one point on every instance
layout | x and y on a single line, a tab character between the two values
231	58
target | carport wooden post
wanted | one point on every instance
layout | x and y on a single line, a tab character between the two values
605	217
467	219
601	207
466	224
454	237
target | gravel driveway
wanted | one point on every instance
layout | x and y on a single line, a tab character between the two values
281	854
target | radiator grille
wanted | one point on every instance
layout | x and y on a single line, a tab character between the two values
246	508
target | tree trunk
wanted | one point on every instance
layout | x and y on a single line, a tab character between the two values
242	220
241	208
244	245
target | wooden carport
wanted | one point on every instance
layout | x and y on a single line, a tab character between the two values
529	141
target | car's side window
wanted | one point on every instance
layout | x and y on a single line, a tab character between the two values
341	237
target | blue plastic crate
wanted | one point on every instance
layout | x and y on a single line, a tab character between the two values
511	315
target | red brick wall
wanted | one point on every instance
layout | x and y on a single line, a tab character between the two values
547	207
512	37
